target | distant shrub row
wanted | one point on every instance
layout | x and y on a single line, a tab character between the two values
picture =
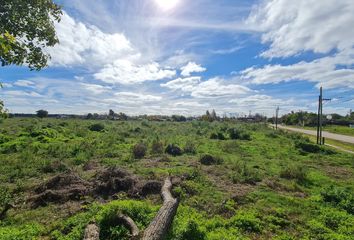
140	150
233	133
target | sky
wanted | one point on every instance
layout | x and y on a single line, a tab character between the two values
185	57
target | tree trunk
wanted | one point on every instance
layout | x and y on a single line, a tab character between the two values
92	232
158	228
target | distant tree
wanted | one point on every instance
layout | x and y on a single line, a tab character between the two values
42	113
89	116
213	115
111	113
3	112
122	116
179	118
26	28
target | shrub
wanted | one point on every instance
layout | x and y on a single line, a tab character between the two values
245	174
208	159
190	148
174	150
96	127
219	136
213	136
247	222
157	147
139	150
239	134
308	147
297	173
339	197
193	232
5	197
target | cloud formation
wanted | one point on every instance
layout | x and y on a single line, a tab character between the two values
292	27
191	67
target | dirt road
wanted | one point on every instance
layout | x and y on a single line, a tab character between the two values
338	137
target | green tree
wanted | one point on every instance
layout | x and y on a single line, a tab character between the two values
26	28
42	113
3	112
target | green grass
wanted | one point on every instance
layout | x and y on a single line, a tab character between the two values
267	186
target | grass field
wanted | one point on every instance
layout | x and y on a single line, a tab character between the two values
259	184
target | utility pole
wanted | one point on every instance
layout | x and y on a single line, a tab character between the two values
276	118
319	116
320	139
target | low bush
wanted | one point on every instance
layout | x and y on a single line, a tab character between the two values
239	134
96	127
208	159
243	173
308	147
295	172
157	147
247	222
339	197
190	148
173	150
219	136
139	150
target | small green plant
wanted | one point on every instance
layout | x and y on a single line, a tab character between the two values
296	172
239	134
173	150
97	127
190	148
208	159
157	147
339	197
247	222
139	150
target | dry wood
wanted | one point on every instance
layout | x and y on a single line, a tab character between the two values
92	232
158	228
130	224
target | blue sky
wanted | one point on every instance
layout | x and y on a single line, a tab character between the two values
184	57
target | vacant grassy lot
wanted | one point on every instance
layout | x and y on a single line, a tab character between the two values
234	181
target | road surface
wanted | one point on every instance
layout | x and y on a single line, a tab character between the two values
333	136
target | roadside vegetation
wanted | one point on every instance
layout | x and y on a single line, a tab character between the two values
233	180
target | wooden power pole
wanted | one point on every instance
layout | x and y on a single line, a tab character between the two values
276	117
320	139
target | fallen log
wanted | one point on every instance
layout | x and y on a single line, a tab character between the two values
92	232
158	228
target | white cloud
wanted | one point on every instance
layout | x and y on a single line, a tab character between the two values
323	71
18	93
292	27
227	51
125	72
112	56
6	85
216	88
191	67
184	84
87	45
24	83
212	88
95	88
132	99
